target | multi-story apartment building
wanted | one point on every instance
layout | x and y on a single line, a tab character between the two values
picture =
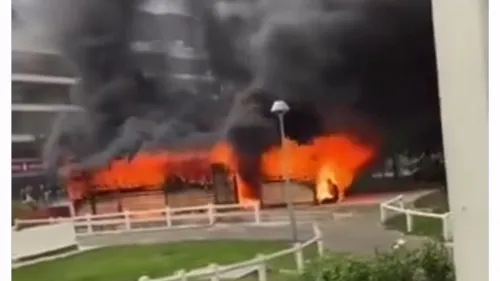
170	38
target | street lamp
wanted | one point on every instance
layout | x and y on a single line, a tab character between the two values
280	108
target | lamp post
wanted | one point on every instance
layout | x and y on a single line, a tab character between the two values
280	108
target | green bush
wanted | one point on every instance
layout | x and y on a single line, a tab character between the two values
432	262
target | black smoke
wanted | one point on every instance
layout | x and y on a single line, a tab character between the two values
356	66
364	67
125	107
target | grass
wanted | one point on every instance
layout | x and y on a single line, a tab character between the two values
271	276
19	207
422	226
128	263
435	202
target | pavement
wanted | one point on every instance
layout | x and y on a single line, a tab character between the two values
216	232
53	257
348	227
356	230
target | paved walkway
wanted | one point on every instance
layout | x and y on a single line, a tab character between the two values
347	228
359	233
53	257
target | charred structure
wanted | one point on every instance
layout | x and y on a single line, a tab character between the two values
360	77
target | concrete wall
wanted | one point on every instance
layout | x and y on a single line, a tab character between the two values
38	240
462	53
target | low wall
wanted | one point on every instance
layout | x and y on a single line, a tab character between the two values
37	241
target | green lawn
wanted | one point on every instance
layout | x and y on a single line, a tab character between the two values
271	276
422	226
128	263
435	202
19	207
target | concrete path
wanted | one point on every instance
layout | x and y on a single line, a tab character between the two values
362	235
350	227
54	257
357	235
216	232
359	232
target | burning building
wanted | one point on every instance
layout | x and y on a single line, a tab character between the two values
359	76
42	78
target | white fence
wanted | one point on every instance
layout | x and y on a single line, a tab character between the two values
397	205
259	264
165	218
36	241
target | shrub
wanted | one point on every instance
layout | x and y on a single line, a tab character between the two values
432	262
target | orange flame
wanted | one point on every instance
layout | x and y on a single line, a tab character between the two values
334	158
328	160
325	182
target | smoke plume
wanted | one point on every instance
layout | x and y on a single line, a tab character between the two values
355	67
352	66
124	110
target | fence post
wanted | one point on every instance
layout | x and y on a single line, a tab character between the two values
182	275
256	213
262	268
299	257
89	223
446	227
215	272
383	213
126	213
401	203
211	213
168	216
319	240
409	222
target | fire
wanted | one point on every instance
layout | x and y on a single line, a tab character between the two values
329	161
325	183
335	159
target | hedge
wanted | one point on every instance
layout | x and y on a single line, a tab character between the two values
432	262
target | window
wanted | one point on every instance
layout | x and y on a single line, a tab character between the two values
34	123
33	93
188	66
43	64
